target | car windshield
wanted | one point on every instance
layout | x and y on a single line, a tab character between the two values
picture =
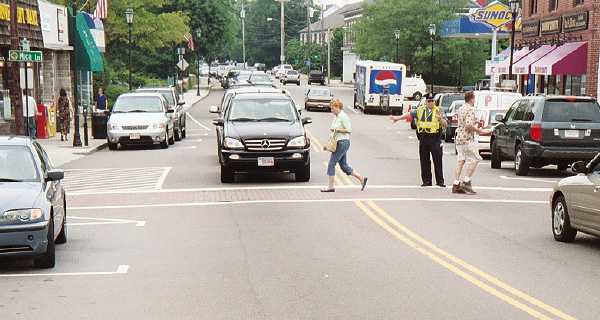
243	76
17	165
319	93
292	72
492	115
260	78
571	111
167	94
262	110
138	104
448	99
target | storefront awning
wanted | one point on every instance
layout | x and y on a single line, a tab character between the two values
568	59
87	55
502	67
522	66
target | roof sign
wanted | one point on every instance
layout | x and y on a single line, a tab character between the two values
496	14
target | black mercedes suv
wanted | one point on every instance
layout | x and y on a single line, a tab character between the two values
263	132
543	130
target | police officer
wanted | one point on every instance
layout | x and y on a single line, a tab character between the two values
430	123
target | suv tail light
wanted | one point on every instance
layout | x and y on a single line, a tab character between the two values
536	132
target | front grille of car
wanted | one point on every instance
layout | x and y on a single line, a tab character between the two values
140	127
267	144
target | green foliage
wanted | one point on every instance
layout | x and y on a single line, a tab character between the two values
337	55
375	39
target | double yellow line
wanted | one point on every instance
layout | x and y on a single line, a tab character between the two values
486	282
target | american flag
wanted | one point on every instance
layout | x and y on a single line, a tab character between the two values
101	11
190	41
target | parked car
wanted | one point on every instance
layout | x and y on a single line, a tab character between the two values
444	100
316	76
452	117
241	79
489	104
414	88
318	98
263	132
575	202
259	78
544	130
140	118
32	202
179	115
292	76
282	70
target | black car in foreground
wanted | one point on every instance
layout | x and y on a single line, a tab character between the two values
547	130
32	202
263	132
316	76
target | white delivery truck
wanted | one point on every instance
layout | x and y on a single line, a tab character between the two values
487	105
379	86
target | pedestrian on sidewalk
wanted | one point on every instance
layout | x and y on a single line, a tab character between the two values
29	113
64	114
431	122
341	128
101	101
466	145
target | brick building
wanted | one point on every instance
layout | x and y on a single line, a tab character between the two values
558	47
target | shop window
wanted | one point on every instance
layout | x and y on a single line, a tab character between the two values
552	5
533	4
576	85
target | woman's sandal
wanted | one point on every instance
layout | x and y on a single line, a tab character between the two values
327	190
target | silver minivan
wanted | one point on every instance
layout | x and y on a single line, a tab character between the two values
140	118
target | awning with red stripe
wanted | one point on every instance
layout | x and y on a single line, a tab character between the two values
568	59
522	67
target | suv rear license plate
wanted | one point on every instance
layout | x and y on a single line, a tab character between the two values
266	161
134	136
571	134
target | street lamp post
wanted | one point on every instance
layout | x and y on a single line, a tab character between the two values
282	30
432	35
198	35
514	8
243	17
180	54
129	17
397	36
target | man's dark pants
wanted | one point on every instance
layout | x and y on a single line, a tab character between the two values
431	145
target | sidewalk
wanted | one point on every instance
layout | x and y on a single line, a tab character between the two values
63	152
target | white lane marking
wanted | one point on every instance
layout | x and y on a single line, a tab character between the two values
301	187
114	179
100	221
183	148
528	179
198	123
121	269
161	180
206	134
412	137
225	203
196	135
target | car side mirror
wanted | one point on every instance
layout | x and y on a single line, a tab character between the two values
219	122
306	120
170	110
499	117
579	167
55	175
214	109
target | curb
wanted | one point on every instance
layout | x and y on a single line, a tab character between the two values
93	150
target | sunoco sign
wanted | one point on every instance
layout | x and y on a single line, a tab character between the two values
496	14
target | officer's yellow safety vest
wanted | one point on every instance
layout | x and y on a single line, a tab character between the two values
426	122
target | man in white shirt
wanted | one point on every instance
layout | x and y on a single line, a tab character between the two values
29	112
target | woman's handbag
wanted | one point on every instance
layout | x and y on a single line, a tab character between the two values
331	144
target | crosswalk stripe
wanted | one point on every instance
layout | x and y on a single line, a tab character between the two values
115	179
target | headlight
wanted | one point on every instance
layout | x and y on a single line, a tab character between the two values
159	125
113	127
298	142
231	143
21	215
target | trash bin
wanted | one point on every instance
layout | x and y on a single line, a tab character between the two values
51	121
99	119
41	122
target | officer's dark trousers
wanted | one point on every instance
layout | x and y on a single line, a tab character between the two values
431	145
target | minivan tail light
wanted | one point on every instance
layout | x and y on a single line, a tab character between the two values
536	132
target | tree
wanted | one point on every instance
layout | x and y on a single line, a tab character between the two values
337	55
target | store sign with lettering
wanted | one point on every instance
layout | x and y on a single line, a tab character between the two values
550	26
24	16
575	22
496	14
531	29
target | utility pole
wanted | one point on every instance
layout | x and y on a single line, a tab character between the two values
328	57
72	20
14	85
243	16
307	4
282	30
321	33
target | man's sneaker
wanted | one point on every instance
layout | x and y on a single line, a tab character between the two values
467	187
457	188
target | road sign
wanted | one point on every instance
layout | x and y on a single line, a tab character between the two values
182	64
496	14
25	56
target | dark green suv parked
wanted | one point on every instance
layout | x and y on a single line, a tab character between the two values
547	130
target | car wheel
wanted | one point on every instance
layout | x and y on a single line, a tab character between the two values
561	222
62	236
227	175
521	162
298	83
496	158
172	138
48	259
183	133
112	146
165	143
303	175
417	96
322	83
177	134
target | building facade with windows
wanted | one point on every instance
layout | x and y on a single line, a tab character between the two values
558	47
